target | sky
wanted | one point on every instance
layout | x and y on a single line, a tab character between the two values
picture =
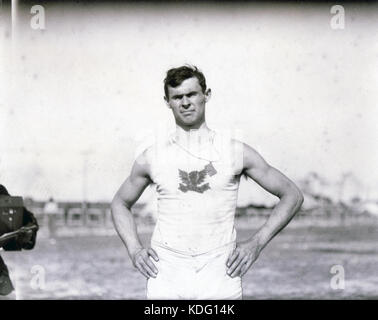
78	97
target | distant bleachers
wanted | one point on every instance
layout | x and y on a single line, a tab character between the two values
75	217
95	217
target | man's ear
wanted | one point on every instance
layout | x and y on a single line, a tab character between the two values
207	95
167	103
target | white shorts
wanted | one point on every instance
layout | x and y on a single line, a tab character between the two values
193	277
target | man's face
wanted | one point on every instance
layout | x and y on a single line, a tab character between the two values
187	102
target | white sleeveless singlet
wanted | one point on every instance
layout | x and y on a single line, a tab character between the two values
197	190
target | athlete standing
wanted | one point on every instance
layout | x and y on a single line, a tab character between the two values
193	252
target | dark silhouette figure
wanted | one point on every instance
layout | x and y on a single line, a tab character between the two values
25	241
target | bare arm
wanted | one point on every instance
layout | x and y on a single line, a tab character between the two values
291	199
124	199
276	183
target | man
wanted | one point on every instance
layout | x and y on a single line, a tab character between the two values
193	253
51	211
25	241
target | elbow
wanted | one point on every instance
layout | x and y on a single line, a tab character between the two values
117	205
296	196
114	205
114	201
299	198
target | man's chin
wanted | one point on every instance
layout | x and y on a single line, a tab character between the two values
188	123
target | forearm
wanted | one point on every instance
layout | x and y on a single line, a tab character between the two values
283	212
126	227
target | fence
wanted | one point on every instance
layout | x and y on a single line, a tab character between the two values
99	215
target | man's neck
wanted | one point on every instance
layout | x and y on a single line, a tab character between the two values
199	142
187	135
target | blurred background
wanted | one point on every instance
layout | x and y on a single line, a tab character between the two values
82	89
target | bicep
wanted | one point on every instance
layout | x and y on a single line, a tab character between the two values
268	177
134	185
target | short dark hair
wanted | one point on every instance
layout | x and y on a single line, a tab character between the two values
176	76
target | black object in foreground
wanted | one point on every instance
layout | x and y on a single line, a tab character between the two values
11	213
14	234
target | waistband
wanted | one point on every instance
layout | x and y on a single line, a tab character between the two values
160	245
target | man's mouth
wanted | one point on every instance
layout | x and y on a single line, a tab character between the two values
187	113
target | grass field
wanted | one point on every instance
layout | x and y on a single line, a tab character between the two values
295	265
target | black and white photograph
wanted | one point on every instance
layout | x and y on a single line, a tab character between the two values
188	150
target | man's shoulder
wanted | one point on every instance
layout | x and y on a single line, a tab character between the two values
243	146
228	137
230	144
148	156
245	154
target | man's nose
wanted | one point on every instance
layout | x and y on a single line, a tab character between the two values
185	102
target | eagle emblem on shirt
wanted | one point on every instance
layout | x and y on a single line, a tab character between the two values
195	180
